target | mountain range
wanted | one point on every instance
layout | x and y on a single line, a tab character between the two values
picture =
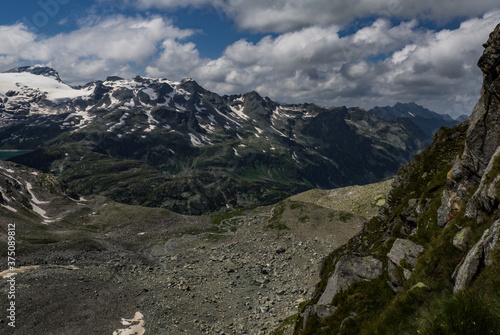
195	150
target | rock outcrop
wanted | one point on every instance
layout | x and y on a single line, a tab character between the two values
405	250
479	255
479	161
349	270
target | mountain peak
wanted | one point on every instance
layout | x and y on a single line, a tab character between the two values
38	70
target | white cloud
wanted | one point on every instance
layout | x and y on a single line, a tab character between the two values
310	55
379	64
289	15
113	45
14	39
436	69
175	61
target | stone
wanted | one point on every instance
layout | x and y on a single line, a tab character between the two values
320	311
480	253
460	239
420	285
450	206
405	250
486	197
349	270
412	202
392	272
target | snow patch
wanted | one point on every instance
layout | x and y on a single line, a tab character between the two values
4	195
135	326
9	208
279	132
195	140
9	273
55	90
180	108
152	94
119	124
151	121
8	170
238	110
29	187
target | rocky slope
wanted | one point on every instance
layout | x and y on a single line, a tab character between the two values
429	263
198	152
90	262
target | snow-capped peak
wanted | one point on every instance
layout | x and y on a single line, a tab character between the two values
38	70
19	82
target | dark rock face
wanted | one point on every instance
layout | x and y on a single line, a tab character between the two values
481	144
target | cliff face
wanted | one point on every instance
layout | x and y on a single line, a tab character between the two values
479	161
430	262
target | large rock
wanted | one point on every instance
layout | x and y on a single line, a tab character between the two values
478	255
320	311
460	239
405	250
486	197
349	270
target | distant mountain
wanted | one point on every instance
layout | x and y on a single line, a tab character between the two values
177	145
427	120
462	118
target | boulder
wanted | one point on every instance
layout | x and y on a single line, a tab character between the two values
405	250
349	270
450	206
320	311
486	197
460	239
394	277
479	254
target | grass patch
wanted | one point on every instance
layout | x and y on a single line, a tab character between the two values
464	314
287	325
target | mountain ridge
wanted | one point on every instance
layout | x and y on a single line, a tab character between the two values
181	138
425	119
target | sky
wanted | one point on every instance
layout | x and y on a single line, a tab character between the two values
330	52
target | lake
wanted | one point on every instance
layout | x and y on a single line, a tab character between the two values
6	154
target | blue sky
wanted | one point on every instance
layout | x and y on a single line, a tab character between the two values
355	53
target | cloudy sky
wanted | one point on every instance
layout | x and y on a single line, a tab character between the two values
330	52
